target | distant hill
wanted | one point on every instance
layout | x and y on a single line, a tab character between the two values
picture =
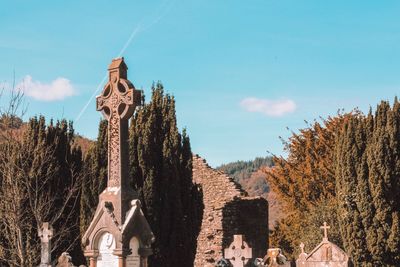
249	176
246	173
83	142
18	127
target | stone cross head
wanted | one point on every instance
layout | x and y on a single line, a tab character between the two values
238	253
119	97
325	227
45	232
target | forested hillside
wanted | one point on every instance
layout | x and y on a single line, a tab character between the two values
246	173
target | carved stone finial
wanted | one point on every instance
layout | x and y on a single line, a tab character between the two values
302	247
325	227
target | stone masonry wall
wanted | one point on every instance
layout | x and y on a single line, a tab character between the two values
227	211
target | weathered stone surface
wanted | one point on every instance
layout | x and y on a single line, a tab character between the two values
65	260
45	233
274	258
227	212
238	253
118	217
325	254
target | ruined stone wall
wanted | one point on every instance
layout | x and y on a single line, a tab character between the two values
227	211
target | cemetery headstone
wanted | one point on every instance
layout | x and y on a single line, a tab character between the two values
239	252
325	254
133	259
45	233
65	260
275	258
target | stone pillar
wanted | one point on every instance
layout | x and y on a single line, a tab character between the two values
121	254
143	262
121	261
144	253
92	261
92	255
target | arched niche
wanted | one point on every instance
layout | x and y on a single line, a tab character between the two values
133	259
106	245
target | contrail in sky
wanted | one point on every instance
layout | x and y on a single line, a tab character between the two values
91	98
134	33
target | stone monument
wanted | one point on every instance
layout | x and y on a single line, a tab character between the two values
325	254
238	253
45	233
274	258
65	260
119	234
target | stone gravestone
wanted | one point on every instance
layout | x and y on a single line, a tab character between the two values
325	254
275	258
118	217
65	260
106	247
133	260
45	233
238	253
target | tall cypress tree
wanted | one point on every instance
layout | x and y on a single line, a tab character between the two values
161	170
95	176
367	184
161	173
351	145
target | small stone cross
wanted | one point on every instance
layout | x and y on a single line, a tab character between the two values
45	233
325	227
238	253
117	102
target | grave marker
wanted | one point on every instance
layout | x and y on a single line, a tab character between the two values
45	233
239	252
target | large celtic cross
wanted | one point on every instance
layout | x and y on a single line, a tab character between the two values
117	102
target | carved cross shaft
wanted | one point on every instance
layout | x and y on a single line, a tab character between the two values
325	227
238	253
45	233
117	103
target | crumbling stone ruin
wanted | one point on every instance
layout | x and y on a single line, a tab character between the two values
228	211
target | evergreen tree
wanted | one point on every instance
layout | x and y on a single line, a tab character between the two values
161	172
348	189
161	167
94	176
367	184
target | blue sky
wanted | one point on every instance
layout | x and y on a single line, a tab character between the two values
241	71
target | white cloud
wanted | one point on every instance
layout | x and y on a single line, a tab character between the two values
270	108
58	89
